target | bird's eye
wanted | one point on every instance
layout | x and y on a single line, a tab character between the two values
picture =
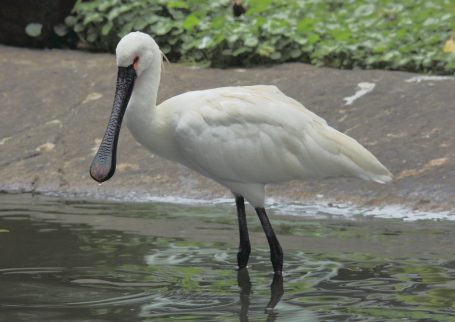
136	63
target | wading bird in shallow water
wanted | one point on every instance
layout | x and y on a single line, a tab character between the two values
241	137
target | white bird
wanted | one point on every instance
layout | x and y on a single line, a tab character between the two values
241	137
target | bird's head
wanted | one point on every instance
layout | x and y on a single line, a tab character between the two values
136	52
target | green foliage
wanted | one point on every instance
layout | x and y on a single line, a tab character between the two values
33	29
385	34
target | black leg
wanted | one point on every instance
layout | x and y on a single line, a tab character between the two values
276	253
244	246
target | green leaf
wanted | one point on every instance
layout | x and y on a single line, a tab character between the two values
92	36
295	53
276	55
341	34
232	38
33	29
119	10
313	38
79	27
239	51
306	25
204	42
162	27
70	21
92	17
107	28
166	49
364	10
259	6
141	22
190	22
60	29
178	4
251	41
265	50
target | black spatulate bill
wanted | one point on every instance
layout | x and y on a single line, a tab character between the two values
103	165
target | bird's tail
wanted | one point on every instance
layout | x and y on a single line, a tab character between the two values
354	158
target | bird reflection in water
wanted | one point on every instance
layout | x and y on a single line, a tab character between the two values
244	283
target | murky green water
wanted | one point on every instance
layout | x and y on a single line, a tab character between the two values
74	261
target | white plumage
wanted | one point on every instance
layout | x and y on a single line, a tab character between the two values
242	137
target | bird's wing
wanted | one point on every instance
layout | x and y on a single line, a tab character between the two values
258	134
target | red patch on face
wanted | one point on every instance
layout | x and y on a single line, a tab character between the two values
136	63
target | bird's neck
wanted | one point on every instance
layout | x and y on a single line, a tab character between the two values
143	98
141	112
